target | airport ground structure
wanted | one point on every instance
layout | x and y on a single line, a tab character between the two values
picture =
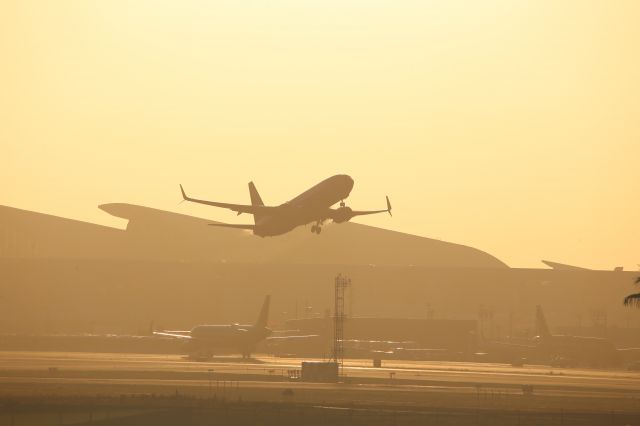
176	272
77	388
169	410
83	351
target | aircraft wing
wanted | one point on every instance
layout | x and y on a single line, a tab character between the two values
345	213
239	208
280	338
176	335
365	212
629	354
231	225
514	345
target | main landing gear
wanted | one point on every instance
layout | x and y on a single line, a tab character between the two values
317	228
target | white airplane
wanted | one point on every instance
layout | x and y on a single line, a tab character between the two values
204	340
312	206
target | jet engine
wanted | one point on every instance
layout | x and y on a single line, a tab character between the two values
342	214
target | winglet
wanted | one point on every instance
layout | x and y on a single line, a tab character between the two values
389	206
184	195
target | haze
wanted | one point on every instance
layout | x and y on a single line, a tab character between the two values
508	126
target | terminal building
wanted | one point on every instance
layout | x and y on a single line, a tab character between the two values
176	271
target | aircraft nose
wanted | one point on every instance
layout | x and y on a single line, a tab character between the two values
348	181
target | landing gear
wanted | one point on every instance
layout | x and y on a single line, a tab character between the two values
317	228
342	204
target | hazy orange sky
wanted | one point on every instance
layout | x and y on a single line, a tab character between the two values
510	126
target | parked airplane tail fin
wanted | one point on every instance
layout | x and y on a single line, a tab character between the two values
541	324
264	313
256	200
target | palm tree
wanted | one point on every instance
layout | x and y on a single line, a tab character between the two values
633	299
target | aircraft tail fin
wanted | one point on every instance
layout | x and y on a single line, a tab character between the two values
256	200
541	323
264	313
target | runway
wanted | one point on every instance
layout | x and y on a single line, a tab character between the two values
418	383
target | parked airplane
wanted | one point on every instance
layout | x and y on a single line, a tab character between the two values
205	339
313	205
566	350
569	351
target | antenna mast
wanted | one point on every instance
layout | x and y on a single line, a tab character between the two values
341	283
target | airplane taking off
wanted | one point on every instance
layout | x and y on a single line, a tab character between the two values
206	338
313	205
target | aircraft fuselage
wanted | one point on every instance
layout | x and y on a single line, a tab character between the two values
213	337
312	205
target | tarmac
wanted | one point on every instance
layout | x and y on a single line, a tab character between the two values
267	379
